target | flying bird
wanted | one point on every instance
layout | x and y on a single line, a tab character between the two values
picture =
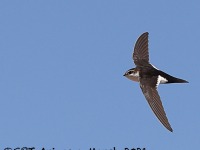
149	77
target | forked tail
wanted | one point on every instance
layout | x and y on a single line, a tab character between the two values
172	79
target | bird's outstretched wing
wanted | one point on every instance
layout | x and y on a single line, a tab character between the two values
149	89
141	53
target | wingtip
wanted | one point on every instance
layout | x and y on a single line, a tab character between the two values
171	130
146	33
168	127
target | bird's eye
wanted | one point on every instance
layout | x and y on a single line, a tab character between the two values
130	72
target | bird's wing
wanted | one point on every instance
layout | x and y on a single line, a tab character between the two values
141	53
150	92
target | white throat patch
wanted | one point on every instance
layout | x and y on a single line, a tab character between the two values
134	76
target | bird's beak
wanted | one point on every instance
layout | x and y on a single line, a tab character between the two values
124	74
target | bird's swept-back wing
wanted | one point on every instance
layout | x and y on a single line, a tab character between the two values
150	92
141	53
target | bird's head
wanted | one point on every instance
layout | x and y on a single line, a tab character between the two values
132	74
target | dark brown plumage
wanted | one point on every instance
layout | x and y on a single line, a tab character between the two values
149	78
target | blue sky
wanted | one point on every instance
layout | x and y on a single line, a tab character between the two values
62	65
